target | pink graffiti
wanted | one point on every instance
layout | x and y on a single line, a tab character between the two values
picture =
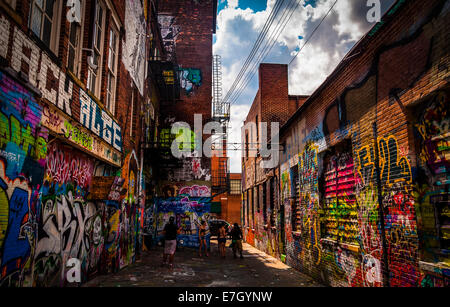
195	191
64	167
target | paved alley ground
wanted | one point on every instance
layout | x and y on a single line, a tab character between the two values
257	269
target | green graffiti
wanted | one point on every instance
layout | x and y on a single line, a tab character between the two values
186	139
74	134
190	77
11	131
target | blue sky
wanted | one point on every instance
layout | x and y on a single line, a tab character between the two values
239	23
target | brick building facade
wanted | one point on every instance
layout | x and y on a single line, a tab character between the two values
271	104
183	184
80	105
361	191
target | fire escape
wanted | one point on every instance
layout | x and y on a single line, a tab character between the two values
221	113
163	72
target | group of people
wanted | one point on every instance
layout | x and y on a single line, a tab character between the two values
171	230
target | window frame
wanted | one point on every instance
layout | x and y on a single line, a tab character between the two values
236	183
264	201
55	20
97	49
110	102
132	114
76	71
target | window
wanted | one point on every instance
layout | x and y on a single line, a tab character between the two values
295	201
433	172
75	45
272	201
112	70
247	210
235	187
258	200
264	201
257	129
94	72
253	207
44	21
340	222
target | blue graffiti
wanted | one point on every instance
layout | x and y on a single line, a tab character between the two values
16	247
185	208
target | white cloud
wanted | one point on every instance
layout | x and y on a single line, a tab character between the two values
238	30
238	115
233	3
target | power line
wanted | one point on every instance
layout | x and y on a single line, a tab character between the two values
256	46
263	52
312	34
279	29
306	42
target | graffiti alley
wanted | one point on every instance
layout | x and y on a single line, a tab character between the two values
257	269
315	134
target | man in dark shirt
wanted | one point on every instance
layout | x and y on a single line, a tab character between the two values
236	240
170	241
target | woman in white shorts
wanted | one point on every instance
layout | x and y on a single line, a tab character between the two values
170	241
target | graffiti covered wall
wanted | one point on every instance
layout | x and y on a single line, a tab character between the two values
189	212
373	166
23	151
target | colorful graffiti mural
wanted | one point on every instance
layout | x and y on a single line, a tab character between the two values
188	213
191	79
23	148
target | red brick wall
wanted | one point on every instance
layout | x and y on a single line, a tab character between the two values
193	50
193	54
401	66
68	165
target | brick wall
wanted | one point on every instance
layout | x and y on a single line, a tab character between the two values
57	138
360	215
187	33
272	104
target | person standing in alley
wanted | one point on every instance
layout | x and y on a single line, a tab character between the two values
236	240
202	239
222	240
170	238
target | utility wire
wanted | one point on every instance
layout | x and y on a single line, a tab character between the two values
312	34
256	46
279	29
254	65
251	57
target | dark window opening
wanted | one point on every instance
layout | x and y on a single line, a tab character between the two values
264	201
295	199
272	201
431	138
